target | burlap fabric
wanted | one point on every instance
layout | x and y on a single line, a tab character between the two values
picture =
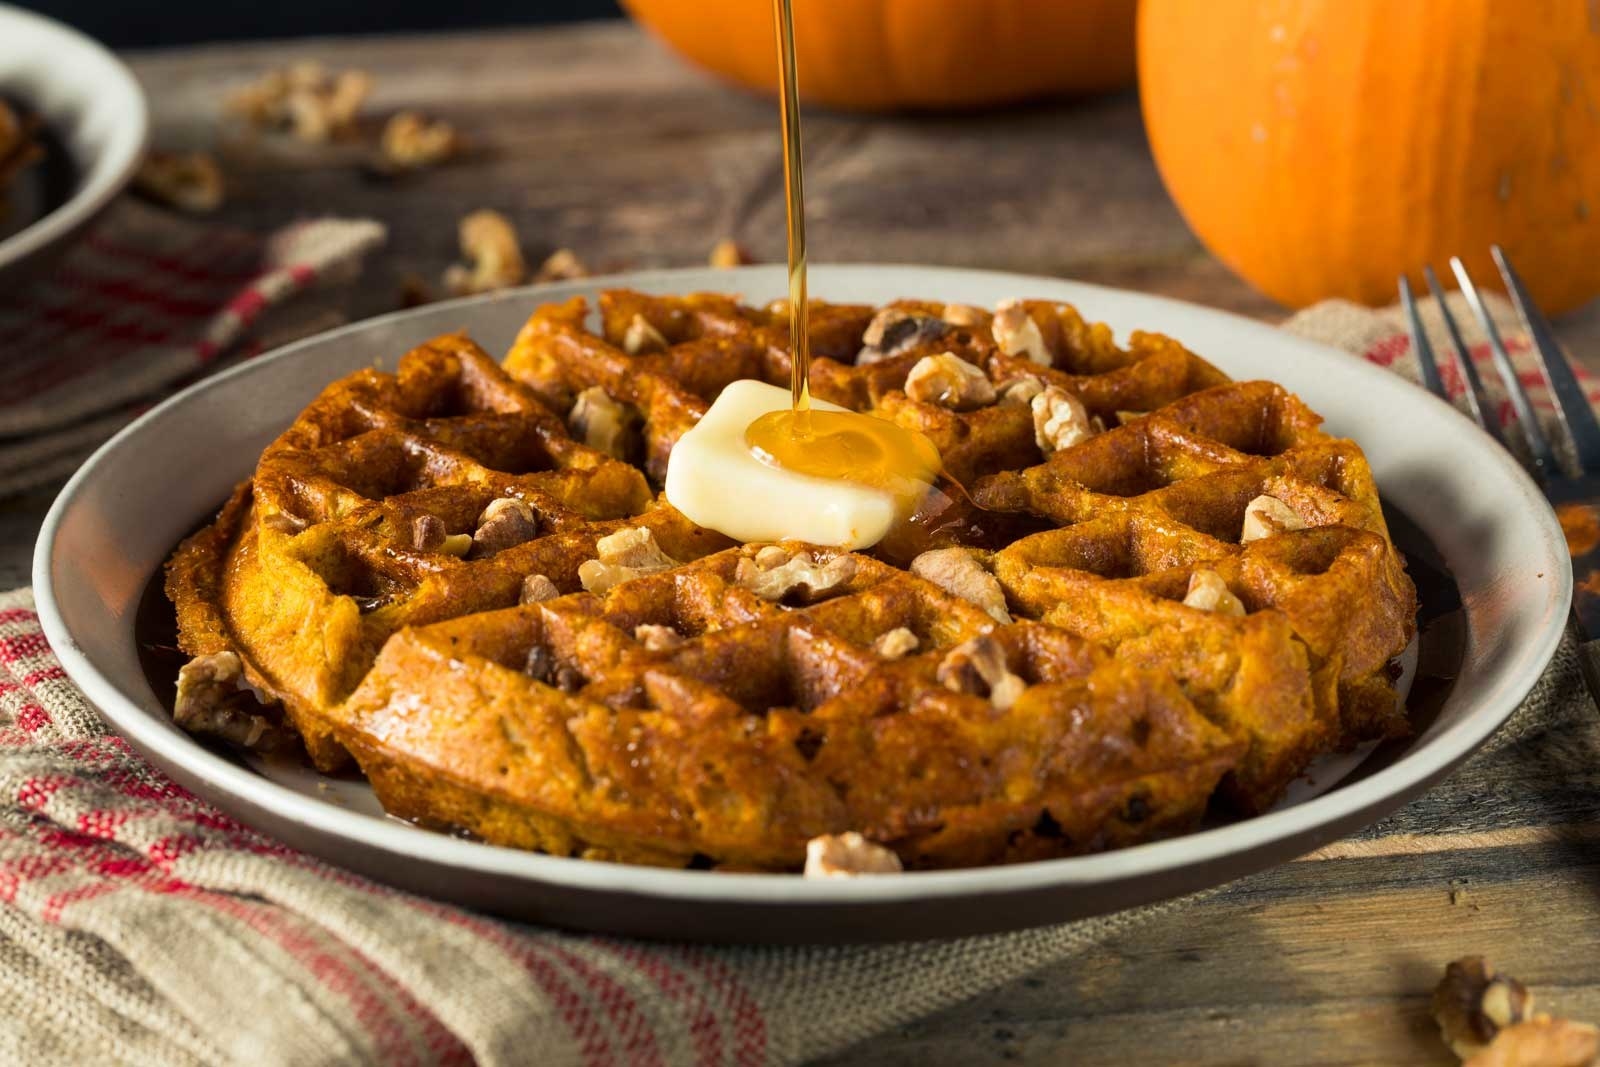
139	926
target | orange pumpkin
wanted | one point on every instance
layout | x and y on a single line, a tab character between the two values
891	54
1322	147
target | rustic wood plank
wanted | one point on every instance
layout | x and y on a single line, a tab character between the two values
593	137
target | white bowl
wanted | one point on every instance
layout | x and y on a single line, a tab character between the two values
92	102
121	515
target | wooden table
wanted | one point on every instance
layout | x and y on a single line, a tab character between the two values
594	138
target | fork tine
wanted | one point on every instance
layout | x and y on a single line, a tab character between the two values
1544	460
1571	403
1477	399
1419	344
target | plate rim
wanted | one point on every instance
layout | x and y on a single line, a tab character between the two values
1408	774
118	156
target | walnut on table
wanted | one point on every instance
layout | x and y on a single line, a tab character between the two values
728	253
1487	1019
562	265
305	99
188	181
489	244
410	141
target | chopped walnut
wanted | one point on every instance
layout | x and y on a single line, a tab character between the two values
1059	420
1472	1003
773	578
536	589
306	99
543	666
1541	1041
1267	515
489	243
428	533
657	638
727	253
896	644
1208	592
603	423
895	331
1021	391
958	572
562	265
216	700
1125	417
978	666
412	142
949	381
188	181
847	855
964	315
621	557
505	523
1017	334
642	336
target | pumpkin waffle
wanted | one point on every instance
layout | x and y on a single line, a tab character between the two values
1045	686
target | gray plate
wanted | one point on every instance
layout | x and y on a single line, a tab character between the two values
119	517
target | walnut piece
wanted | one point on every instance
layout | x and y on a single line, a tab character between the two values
1472	1003
964	315
949	381
1267	515
896	644
642	336
489	243
216	700
847	855
776	573
562	265
728	253
621	557
1020	392
1059	420
1017	334
412	142
958	572
188	181
429	534
895	331
505	523
978	666
1208	592
1541	1042
543	666
305	99
657	638
536	589
605	424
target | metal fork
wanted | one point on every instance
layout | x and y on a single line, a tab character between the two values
1575	496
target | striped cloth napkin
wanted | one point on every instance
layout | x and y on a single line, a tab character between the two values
144	305
140	926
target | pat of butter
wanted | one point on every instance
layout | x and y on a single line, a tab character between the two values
715	480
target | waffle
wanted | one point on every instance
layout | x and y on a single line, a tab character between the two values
727	703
